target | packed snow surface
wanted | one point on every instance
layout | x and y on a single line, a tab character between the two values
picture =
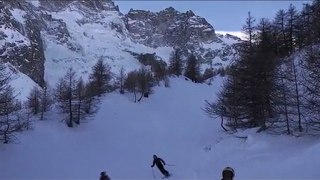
122	137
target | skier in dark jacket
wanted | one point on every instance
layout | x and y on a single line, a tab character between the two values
158	161
227	173
104	176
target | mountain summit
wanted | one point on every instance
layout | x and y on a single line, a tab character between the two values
168	28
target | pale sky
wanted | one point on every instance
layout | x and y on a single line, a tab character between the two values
227	16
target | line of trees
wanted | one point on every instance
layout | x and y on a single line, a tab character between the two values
189	68
12	118
74	98
140	82
274	81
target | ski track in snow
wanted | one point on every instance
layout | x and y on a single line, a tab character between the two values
122	137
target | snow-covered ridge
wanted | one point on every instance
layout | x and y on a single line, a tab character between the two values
172	28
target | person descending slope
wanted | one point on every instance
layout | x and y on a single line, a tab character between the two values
104	176
159	162
227	173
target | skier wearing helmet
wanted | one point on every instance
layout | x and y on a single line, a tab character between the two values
159	162
227	173
104	176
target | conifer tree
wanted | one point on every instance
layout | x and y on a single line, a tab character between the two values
9	123
175	63
34	100
46	99
65	95
100	77
192	69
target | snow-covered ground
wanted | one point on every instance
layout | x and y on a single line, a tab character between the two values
123	136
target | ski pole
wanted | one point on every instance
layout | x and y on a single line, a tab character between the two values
154	176
170	165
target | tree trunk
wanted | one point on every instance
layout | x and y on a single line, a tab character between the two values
70	103
285	107
222	124
79	112
297	96
44	103
140	97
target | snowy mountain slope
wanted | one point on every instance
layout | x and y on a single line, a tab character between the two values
124	135
94	40
48	37
22	83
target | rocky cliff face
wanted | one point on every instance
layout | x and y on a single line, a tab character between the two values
37	35
22	25
168	28
91	5
20	41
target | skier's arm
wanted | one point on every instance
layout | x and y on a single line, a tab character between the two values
153	163
164	163
108	178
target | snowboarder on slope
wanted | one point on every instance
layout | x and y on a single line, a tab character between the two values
158	161
104	176
227	173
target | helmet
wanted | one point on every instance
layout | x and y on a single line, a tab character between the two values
228	173
103	173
